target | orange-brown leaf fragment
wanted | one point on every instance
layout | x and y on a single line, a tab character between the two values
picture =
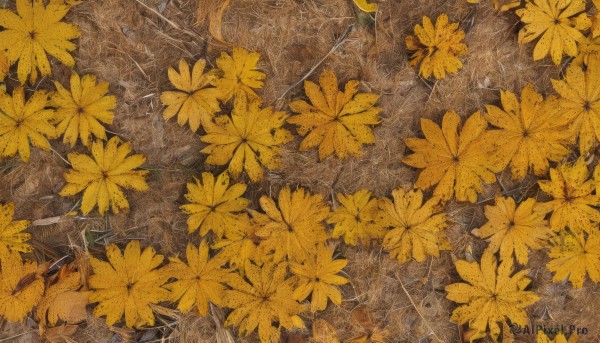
63	300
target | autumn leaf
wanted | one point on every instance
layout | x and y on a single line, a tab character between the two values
595	28
82	110
214	204
416	229
21	288
240	73
127	284
63	300
490	294
318	277
34	31
24	121
261	301
580	99
457	162
60	334
355	218
573	256
513	229
335	121
102	175
199	281
558	23
293	226
501	5
12	237
366	6
372	333
558	338
239	244
4	66
530	133
249	139
589	50
436	49
194	101
573	203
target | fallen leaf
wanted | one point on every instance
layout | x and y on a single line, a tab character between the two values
215	21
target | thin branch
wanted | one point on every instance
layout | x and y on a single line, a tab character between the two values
312	70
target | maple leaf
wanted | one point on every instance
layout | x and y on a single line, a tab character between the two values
34	31
355	218
81	111
195	101
102	175
573	203
490	294
511	229
317	277
215	206
199	281
294	226
573	256
127	284
247	140
531	133
63	300
456	162
580	99
239	74
22	121
559	23
4	66
416	229
589	49
239	244
12	236
335	121
21	288
558	338
265	299
436	49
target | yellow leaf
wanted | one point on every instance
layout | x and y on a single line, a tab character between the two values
239	244
580	98
12	236
63	300
416	229
21	288
215	206
436	49
558	23
559	338
511	229
4	66
574	204
355	218
194	102
457	162
589	50
34	31
294	226
248	139
24	122
262	301
102	175
199	281
596	20
240	74
490	294
531	133
317	277
366	6
81	111
127	284
573	256
335	121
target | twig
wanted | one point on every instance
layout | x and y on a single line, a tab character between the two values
15	336
334	48
62	158
416	309
173	24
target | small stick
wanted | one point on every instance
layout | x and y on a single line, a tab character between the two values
334	48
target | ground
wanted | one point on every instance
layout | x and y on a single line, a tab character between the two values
131	47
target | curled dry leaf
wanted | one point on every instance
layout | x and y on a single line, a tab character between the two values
215	20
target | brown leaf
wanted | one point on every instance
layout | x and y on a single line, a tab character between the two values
323	332
60	334
215	21
362	317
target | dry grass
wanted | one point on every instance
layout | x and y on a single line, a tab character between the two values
131	47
